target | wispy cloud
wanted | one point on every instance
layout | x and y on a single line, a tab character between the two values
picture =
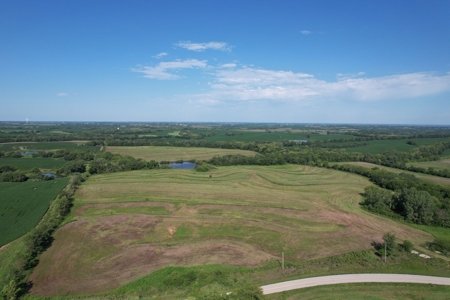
305	32
341	76
62	94
203	46
160	55
161	71
250	84
230	65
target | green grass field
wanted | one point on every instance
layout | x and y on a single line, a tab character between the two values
251	136
426	177
128	225
376	147
439	165
446	153
42	146
367	291
10	256
23	204
162	153
31	163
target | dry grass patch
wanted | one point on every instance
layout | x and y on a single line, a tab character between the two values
162	153
111	256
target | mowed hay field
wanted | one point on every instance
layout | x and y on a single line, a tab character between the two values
162	153
438	165
426	177
127	225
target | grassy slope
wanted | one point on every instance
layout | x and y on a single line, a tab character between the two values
240	216
439	165
9	255
31	163
23	204
426	177
174	153
380	146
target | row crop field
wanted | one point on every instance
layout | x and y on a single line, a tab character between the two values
23	204
127	225
31	163
163	153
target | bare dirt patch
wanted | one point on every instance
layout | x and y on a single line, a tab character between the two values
90	256
172	229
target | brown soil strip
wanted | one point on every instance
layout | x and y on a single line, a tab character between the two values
92	256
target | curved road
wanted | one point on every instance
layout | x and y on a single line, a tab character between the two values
352	278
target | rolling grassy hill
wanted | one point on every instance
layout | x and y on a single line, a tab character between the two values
127	225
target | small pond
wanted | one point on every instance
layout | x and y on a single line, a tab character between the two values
48	175
28	152
184	165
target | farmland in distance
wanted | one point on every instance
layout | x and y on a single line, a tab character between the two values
31	163
160	153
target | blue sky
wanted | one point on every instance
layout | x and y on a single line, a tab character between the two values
384	62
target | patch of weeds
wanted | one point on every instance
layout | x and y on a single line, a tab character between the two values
183	232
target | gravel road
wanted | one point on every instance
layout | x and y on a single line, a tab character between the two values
352	278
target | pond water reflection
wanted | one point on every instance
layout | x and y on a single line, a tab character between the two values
184	165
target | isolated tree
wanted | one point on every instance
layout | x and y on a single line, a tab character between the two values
389	240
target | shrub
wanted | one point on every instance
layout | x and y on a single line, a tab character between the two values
407	245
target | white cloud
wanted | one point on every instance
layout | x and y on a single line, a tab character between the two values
160	55
250	84
305	32
203	46
161	70
62	95
341	76
231	65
